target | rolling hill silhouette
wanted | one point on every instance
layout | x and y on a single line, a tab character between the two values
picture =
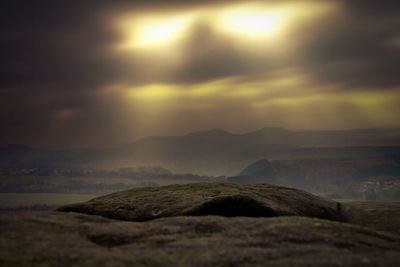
216	152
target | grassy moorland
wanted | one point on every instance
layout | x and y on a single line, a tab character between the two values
13	200
70	239
382	216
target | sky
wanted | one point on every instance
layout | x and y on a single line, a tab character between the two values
93	74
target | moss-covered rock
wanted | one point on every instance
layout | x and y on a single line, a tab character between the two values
263	200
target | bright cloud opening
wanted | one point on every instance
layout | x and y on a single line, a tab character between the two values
252	23
152	32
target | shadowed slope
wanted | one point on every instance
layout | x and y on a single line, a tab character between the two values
263	200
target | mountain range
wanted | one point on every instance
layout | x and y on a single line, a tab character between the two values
214	152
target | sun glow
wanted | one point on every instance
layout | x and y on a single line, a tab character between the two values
252	23
151	32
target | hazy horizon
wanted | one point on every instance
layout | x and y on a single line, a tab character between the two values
116	144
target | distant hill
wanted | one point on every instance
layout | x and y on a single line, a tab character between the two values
216	152
286	138
263	167
261	171
352	178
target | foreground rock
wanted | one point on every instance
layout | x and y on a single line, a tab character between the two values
263	200
70	239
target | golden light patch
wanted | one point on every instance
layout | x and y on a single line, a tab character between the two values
252	22
154	92
227	88
157	92
150	32
293	100
259	21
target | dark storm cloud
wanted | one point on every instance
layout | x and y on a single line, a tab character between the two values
66	42
387	9
209	56
357	48
52	42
